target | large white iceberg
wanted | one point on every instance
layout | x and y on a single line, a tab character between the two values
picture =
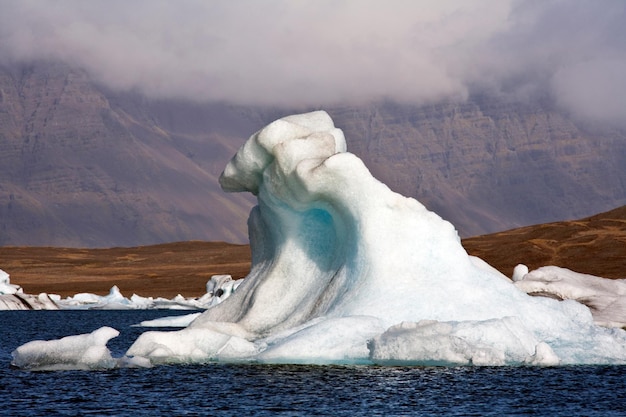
344	270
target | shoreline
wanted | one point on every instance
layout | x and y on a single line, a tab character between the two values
163	270
595	245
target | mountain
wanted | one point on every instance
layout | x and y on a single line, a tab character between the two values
84	166
489	165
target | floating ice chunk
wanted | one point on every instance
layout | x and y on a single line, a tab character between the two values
21	301
112	301
11	302
177	303
6	288
86	351
606	298
84	298
46	302
219	288
338	259
142	303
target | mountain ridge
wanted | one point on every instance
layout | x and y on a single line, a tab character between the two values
84	170
84	166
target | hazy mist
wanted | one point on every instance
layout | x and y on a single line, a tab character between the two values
323	52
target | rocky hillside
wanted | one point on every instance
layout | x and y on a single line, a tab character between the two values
82	166
491	165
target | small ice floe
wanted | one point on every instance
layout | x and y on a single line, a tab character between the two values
606	298
84	351
6	288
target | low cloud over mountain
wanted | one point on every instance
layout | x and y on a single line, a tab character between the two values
81	165
321	53
117	117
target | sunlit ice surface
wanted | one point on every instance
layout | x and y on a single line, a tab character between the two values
346	271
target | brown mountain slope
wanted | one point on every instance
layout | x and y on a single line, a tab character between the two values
595	245
159	270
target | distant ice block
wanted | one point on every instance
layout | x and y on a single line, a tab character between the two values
606	298
12	302
6	288
346	270
219	288
12	297
86	351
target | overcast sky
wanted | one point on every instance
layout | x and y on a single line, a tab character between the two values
322	52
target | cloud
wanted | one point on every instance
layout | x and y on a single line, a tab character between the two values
594	90
319	52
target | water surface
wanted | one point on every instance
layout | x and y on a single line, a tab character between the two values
227	389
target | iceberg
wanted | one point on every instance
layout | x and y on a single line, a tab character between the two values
344	270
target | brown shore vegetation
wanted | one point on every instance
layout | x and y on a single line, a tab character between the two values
595	245
158	271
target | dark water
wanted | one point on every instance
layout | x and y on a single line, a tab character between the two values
241	390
